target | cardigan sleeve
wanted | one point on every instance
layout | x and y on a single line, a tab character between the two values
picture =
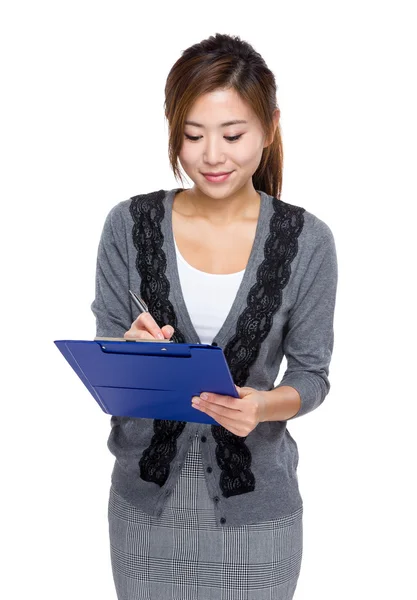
309	334
111	305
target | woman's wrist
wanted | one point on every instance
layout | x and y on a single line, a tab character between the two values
280	404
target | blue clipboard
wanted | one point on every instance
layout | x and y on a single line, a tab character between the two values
149	379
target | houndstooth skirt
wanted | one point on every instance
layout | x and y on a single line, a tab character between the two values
186	555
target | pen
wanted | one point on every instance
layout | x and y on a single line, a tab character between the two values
140	304
143	307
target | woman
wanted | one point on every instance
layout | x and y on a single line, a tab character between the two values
214	511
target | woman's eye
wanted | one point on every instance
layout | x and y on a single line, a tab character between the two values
195	138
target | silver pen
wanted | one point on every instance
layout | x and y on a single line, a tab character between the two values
143	307
140	304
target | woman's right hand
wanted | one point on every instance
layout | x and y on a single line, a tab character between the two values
146	328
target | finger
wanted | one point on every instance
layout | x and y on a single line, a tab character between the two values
138	334
215	409
221	400
146	321
168	331
244	391
230	424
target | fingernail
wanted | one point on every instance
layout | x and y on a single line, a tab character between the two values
160	336
204	396
195	400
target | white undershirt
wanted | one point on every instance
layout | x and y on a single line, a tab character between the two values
208	297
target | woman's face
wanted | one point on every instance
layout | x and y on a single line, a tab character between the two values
213	144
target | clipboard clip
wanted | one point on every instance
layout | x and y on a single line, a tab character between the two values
146	349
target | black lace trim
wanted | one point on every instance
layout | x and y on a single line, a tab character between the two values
147	212
155	462
253	326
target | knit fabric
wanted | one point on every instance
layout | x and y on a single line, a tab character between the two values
284	307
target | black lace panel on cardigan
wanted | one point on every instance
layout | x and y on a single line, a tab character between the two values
147	212
253	325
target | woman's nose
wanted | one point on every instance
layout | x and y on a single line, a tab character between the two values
214	151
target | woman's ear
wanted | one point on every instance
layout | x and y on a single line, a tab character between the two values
275	119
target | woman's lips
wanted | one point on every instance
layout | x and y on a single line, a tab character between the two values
217	178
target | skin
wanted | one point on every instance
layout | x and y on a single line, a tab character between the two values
214	226
215	223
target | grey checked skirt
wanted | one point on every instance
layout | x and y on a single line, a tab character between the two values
185	555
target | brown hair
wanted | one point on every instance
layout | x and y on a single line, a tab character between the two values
224	62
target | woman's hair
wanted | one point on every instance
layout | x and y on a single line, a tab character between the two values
224	62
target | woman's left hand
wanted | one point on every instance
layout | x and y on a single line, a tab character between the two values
238	415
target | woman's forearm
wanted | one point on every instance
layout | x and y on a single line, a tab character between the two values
281	404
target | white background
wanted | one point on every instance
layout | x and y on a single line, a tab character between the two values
82	128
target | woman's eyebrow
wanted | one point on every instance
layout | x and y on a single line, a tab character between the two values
234	122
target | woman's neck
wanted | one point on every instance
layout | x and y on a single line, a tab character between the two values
243	205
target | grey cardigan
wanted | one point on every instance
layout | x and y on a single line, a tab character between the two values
284	306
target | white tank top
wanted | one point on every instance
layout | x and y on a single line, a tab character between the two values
208	297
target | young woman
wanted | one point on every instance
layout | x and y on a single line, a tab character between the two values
214	511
